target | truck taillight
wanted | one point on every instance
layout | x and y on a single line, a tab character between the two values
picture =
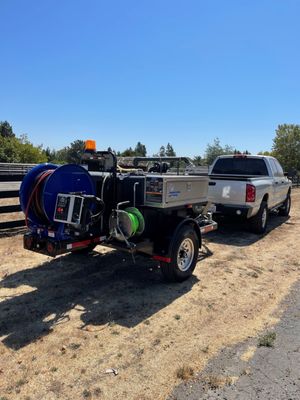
250	193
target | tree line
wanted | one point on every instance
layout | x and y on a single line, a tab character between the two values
286	148
15	149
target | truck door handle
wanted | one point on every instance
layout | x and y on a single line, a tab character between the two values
276	183
212	183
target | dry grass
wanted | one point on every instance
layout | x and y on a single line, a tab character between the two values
58	317
248	354
218	381
267	340
185	372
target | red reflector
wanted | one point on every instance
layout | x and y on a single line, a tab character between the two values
250	193
81	244
161	258
85	243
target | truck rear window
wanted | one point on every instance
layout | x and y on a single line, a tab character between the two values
240	166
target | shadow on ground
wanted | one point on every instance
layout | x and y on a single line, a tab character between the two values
233	231
106	287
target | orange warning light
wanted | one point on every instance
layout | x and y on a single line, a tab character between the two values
90	145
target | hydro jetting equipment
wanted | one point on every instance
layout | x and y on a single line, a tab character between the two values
50	194
74	207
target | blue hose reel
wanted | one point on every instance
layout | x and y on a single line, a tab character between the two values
39	189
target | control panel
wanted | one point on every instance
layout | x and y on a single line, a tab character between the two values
68	208
154	189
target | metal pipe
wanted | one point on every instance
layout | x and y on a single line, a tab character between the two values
102	194
134	192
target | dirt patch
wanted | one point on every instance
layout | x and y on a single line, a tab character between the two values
65	322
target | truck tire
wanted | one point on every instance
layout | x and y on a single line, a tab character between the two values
284	210
184	256
258	223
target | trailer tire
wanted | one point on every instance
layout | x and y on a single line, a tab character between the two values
184	256
258	223
284	210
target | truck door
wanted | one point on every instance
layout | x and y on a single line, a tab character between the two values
276	184
283	182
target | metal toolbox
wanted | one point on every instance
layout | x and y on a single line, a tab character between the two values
165	191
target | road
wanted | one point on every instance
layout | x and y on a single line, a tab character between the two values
251	372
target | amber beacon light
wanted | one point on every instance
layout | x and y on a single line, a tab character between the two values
90	145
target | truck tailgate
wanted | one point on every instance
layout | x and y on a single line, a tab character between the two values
227	190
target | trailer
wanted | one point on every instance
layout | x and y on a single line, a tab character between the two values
160	214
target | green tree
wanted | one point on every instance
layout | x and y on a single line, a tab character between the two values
61	156
140	150
9	150
215	149
20	150
128	152
162	151
51	155
75	151
286	146
197	160
70	154
266	153
170	151
31	154
6	130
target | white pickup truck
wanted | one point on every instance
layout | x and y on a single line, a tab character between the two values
249	186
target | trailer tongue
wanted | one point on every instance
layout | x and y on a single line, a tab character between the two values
72	208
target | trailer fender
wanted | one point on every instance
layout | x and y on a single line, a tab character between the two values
165	251
193	224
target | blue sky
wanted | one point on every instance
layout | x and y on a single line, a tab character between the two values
157	71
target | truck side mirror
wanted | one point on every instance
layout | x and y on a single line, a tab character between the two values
286	174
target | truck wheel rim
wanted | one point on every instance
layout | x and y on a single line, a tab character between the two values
185	254
264	218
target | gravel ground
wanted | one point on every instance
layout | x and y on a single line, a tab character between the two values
65	322
249	371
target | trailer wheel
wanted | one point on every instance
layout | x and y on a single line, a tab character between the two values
258	223
184	256
286	206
